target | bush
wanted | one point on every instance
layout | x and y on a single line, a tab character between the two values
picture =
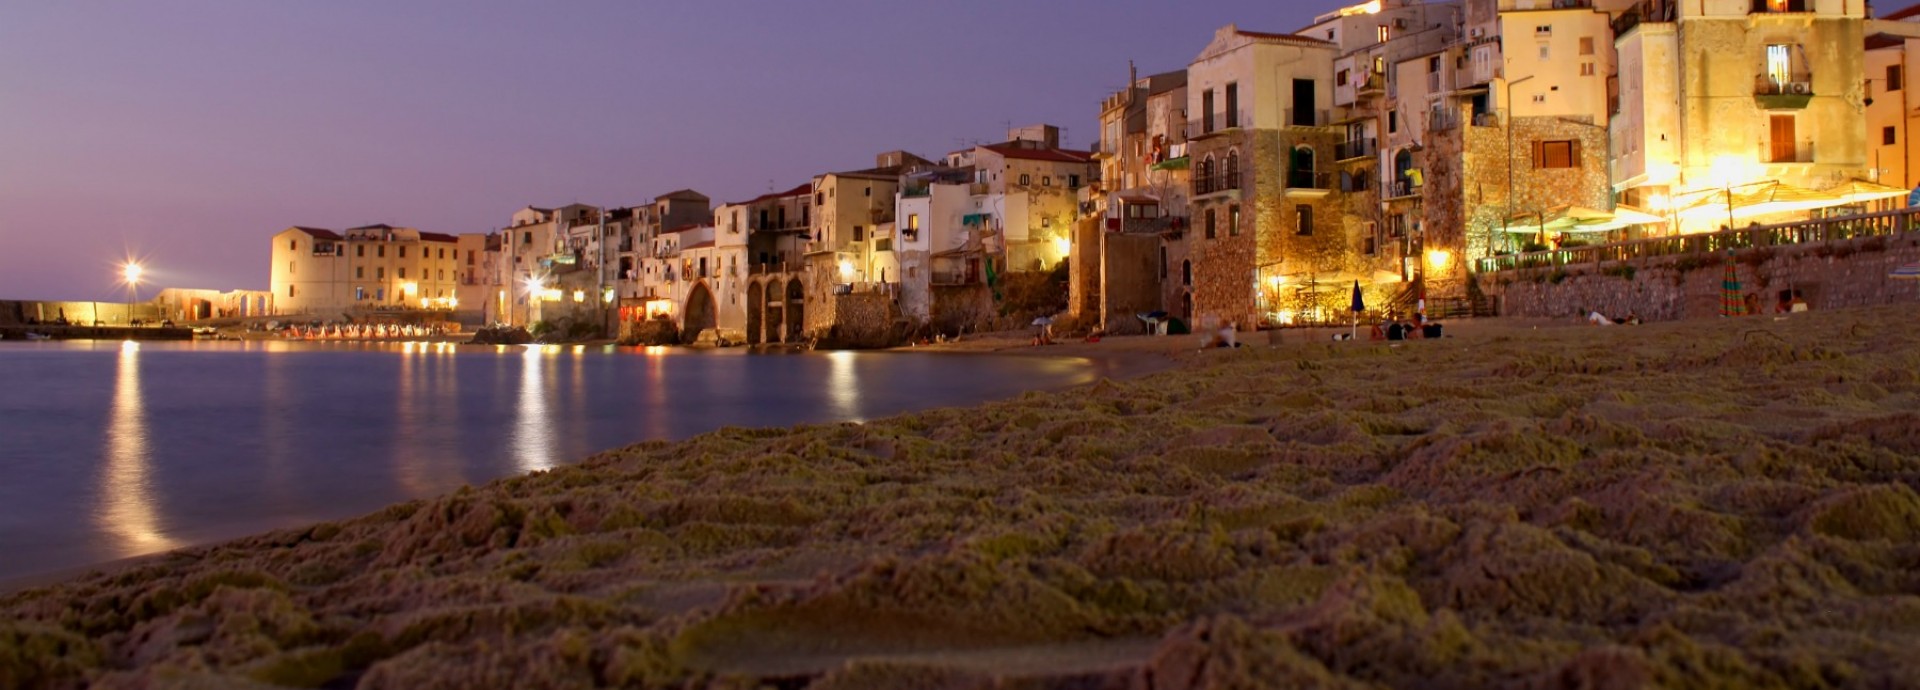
1532	247
1623	271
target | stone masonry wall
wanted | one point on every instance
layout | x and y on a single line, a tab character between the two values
1134	260
1467	199
864	320
1848	273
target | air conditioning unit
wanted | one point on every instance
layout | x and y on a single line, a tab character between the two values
1477	33
1799	88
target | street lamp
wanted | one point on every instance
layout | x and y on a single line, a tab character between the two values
131	273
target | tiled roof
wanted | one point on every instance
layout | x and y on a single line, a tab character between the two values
701	245
685	228
1054	155
437	237
1285	38
804	189
318	232
375	226
682	194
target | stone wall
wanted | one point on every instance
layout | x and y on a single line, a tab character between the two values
1848	273
1466	200
77	313
1085	273
864	320
962	309
1132	264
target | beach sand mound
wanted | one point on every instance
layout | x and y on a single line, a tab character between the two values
1711	504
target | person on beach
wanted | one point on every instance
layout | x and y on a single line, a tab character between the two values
1598	319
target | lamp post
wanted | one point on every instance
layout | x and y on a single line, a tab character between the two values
131	273
1507	101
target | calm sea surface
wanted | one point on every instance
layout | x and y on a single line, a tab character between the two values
110	450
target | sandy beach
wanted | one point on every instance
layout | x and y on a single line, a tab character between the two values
1721	503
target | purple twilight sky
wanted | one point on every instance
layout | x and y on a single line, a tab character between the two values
185	133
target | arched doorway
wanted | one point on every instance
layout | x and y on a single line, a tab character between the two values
796	310
1402	166
700	314
756	301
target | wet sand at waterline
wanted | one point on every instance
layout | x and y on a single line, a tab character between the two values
1721	503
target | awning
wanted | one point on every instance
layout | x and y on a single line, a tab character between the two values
975	219
1862	191
1574	218
1765	199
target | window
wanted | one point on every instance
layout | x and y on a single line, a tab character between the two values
1233	220
1233	105
1556	154
1186	273
1586	45
1433	65
380	251
819	199
1025	179
1545	54
1303	214
443	274
290	290
360	250
1206	111
1586	69
403	252
859	233
913	222
1393	121
1888	136
526	237
293	245
360	272
1784	147
1371	233
1383	33
290	267
379	294
1543	30
1895	78
1209	225
403	273
866	191
359	294
380	273
1073	181
1340	78
1780	63
1163	262
1046	180
443	253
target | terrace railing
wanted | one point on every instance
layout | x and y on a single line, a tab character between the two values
1783	234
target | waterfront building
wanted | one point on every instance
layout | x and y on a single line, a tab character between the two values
1126	252
375	267
1722	97
773	228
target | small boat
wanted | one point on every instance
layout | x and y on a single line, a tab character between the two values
38	336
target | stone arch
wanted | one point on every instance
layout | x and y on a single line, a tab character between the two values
796	309
756	301
701	312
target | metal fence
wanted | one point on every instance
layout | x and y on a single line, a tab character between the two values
1782	234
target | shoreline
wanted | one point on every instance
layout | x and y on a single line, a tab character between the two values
1692	502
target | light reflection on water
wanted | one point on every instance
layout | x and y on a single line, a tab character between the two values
110	450
126	506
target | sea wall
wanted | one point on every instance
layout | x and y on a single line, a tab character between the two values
1831	275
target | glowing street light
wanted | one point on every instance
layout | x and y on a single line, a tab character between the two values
131	274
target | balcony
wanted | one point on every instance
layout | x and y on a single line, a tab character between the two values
1355	150
1355	182
1308	118
1309	183
1783	91
1787	153
1402	189
1215	183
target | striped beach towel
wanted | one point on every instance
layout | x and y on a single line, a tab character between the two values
1731	303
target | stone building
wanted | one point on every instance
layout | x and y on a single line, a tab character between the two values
374	267
1893	53
1722	96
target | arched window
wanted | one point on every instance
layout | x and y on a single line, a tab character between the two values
1204	182
1300	168
1233	169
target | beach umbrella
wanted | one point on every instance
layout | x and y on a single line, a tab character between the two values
1730	301
1862	191
1359	305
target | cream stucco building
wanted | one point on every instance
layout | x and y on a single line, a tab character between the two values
376	267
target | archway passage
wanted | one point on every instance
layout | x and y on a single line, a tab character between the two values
796	309
756	301
700	312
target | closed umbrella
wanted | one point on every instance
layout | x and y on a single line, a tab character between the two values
1359	305
1908	272
1730	301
